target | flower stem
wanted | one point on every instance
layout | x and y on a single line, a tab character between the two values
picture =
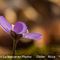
14	49
14	45
14	37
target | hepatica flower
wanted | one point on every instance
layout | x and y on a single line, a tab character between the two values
18	28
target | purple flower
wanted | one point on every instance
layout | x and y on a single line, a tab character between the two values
18	28
6	26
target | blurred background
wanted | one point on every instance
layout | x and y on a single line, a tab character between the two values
42	16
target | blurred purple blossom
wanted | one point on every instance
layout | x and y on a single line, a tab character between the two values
18	28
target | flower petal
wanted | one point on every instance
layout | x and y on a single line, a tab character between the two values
20	28
34	36
6	26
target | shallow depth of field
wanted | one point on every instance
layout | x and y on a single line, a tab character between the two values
40	16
